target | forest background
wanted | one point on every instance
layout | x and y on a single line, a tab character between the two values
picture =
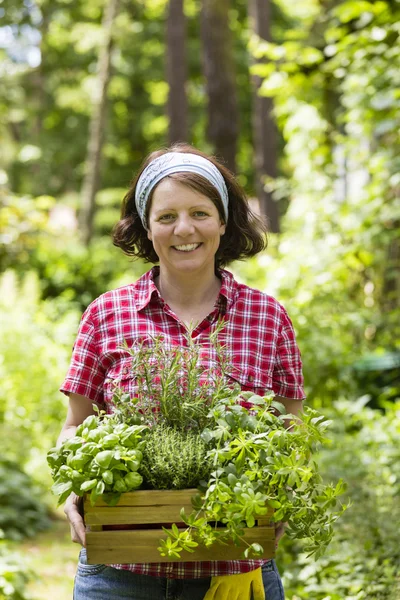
301	99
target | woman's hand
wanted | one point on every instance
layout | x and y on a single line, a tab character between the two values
72	509
279	531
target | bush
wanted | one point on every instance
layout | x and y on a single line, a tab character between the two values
22	512
362	561
39	234
35	345
14	575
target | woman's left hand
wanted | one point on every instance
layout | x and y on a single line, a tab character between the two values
279	531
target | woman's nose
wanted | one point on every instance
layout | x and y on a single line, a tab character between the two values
184	225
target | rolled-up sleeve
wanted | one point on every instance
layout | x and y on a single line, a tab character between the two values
287	379
85	375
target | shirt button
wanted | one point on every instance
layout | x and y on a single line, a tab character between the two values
250	378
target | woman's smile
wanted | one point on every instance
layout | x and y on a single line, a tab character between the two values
187	247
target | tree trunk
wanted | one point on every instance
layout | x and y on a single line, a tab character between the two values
91	182
219	71
176	73
264	130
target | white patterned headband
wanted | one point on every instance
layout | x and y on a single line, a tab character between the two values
177	162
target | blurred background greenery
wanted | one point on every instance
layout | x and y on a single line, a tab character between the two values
301	99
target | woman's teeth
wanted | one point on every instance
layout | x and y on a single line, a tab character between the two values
187	247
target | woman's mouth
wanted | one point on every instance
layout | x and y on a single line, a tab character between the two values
186	247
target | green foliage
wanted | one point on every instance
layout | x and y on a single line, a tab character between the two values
333	78
22	512
172	384
102	458
45	106
14	575
362	561
196	433
35	342
257	462
38	234
174	459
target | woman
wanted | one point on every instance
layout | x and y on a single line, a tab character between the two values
186	212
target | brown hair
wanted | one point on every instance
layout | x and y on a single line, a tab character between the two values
245	233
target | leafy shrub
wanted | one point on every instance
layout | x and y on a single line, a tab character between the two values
35	344
362	561
34	238
22	513
14	575
335	267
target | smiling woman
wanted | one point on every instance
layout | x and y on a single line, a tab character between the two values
186	212
245	234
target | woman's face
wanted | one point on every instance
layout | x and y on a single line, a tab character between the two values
185	228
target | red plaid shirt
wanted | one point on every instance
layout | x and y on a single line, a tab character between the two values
259	337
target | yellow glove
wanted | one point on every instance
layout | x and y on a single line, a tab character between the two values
243	586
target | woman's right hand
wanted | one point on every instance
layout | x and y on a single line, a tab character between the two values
72	510
79	408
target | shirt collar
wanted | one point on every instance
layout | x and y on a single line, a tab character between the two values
146	288
229	287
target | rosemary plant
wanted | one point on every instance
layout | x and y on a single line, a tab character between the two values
172	384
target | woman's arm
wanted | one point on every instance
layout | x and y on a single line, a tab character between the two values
79	408
293	407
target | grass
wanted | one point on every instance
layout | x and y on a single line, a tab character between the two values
52	557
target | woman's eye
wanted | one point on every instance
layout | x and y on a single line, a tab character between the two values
167	217
200	213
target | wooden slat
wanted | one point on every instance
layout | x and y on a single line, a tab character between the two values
265	521
146	506
122	515
151	498
141	546
104	515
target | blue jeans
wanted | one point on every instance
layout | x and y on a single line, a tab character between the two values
99	582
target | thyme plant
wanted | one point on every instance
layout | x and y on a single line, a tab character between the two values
175	459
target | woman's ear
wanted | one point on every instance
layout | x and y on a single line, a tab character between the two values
149	235
222	228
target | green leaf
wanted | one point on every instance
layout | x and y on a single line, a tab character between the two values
86	486
103	459
61	488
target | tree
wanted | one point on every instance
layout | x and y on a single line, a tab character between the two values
176	73
264	131
91	182
219	71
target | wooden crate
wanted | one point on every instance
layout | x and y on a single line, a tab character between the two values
153	508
